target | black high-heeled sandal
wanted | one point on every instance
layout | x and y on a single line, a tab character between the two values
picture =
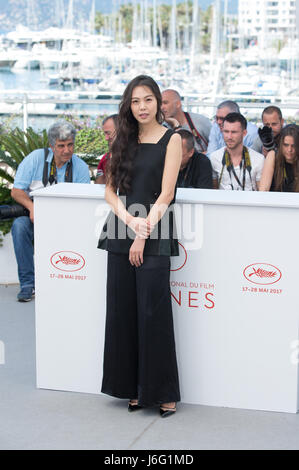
166	411
133	406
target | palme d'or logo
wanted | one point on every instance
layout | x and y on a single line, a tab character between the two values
67	261
262	274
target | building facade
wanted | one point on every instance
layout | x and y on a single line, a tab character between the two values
263	18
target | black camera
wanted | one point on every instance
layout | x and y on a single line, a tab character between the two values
10	212
266	136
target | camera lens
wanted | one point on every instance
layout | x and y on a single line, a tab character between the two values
10	212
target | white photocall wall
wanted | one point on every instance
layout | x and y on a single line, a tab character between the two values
234	294
8	263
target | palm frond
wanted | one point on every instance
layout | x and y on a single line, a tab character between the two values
14	148
5	197
5	158
18	144
6	176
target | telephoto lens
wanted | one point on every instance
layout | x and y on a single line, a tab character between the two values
11	212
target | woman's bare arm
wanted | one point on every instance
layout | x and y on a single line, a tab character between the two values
137	224
268	172
173	160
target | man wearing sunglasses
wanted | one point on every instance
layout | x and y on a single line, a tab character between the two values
216	140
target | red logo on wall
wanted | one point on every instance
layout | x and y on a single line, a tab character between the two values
178	262
67	261
262	274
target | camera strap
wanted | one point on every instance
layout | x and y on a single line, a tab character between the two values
198	137
245	164
52	178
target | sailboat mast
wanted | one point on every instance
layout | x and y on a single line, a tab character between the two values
31	14
155	23
135	35
59	13
70	15
173	29
195	33
92	18
225	28
186	32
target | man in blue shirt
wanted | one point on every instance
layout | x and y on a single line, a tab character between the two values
39	169
216	140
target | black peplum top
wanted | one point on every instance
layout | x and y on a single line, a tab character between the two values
145	190
289	182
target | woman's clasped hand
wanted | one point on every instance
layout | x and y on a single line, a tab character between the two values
142	227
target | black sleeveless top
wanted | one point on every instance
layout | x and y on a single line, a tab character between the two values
289	182
145	189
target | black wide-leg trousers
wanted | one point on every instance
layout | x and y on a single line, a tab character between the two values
139	356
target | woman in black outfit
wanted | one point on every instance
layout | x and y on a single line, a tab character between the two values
139	356
281	170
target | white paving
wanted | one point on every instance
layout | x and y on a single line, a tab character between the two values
45	419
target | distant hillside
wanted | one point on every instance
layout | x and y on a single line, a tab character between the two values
105	6
14	12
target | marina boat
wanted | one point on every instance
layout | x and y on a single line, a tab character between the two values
101	65
6	60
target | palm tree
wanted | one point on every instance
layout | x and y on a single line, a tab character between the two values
15	146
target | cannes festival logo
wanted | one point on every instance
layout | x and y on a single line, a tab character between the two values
68	261
262	274
178	262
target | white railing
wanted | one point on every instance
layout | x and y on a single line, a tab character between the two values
250	105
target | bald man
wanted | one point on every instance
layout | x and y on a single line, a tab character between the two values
198	124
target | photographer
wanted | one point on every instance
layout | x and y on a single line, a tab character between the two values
41	168
197	124
216	138
236	167
269	136
196	168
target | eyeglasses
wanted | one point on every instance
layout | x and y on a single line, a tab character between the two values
219	118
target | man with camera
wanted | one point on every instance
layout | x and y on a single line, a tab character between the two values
216	137
269	135
198	124
39	169
196	168
236	167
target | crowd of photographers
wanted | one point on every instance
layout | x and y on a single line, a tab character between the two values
228	153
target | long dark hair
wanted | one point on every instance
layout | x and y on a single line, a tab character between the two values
125	144
291	130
